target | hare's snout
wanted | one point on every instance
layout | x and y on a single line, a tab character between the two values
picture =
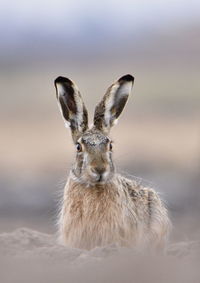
99	174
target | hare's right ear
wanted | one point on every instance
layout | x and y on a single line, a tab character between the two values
112	104
72	107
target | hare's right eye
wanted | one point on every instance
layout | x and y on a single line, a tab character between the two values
78	147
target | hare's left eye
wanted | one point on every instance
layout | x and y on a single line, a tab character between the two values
111	146
78	147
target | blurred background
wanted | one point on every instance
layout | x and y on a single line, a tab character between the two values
94	43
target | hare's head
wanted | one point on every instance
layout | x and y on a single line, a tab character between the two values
94	163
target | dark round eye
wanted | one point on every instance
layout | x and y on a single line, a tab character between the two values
111	146
78	147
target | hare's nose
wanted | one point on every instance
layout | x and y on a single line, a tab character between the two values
99	174
99	170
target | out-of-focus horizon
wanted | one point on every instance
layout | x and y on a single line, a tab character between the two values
86	29
94	43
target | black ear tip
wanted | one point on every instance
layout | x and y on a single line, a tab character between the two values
63	80
127	78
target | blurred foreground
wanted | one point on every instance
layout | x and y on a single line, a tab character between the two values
30	256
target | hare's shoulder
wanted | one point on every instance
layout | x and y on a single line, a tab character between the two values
139	193
149	208
148	204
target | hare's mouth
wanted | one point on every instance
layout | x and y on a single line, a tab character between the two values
99	178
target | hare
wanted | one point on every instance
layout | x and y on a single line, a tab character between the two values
101	207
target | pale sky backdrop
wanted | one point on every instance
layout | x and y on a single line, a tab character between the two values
78	18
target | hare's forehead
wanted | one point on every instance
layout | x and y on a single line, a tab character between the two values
94	139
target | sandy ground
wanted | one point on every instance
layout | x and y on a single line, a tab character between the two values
31	256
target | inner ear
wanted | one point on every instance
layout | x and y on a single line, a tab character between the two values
66	93
72	107
118	107
112	104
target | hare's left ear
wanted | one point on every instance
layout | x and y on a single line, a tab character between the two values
72	107
112	104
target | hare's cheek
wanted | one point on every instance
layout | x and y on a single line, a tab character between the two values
110	162
79	163
84	162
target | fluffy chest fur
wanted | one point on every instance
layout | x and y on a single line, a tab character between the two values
97	216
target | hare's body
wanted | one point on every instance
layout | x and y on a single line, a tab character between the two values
119	212
101	207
